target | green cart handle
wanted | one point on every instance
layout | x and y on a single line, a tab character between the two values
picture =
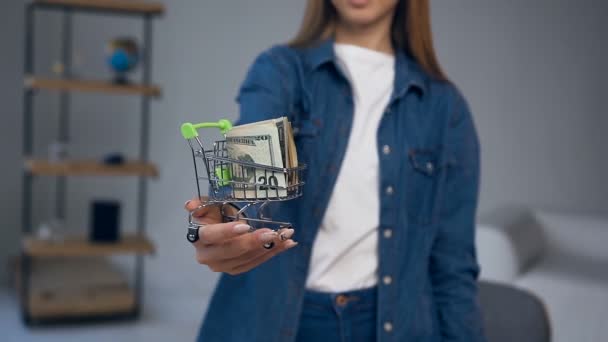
189	130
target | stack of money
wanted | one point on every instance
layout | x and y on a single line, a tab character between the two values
266	143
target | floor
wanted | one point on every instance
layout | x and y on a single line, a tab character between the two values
169	315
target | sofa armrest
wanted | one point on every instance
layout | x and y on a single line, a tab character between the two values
508	244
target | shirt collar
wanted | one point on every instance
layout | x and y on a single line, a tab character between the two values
407	72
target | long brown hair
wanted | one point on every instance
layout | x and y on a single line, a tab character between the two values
411	31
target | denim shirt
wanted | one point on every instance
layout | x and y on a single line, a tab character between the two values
428	178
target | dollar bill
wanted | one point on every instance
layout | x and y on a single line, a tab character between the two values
261	143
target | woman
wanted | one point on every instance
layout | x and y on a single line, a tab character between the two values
386	223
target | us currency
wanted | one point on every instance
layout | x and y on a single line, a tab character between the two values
258	143
282	125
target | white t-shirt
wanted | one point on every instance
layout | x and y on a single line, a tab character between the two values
344	255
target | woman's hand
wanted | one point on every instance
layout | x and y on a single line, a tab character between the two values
231	247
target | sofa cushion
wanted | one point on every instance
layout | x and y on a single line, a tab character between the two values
583	236
575	292
508	243
572	278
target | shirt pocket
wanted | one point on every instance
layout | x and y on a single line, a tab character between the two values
305	134
425	173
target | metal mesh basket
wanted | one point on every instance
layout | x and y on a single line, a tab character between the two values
241	182
233	180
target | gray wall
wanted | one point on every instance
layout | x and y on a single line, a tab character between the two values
10	105
604	89
529	70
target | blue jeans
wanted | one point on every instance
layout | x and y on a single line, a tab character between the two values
338	317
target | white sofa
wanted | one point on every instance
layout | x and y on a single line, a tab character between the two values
563	259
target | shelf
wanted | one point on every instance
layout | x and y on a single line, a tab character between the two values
80	246
71	279
77	288
129	7
33	82
89	168
110	301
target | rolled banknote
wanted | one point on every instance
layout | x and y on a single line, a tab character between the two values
252	147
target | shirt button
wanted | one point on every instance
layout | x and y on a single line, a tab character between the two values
430	167
388	326
386	149
388	233
389	190
387	280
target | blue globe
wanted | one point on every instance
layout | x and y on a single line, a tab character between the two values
121	61
122	57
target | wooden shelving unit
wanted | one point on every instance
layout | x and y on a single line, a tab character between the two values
80	246
72	278
40	167
90	86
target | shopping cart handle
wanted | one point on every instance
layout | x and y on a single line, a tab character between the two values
189	129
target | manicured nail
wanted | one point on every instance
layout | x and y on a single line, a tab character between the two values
289	244
241	228
286	234
269	236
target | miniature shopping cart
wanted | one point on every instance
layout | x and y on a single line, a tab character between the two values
239	183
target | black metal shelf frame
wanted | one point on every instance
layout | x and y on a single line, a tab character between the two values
63	136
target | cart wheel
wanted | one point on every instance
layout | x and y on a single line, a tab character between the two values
192	235
269	245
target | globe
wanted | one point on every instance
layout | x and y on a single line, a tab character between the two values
122	57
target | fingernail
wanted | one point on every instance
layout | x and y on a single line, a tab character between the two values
287	234
289	244
267	237
186	204
241	228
